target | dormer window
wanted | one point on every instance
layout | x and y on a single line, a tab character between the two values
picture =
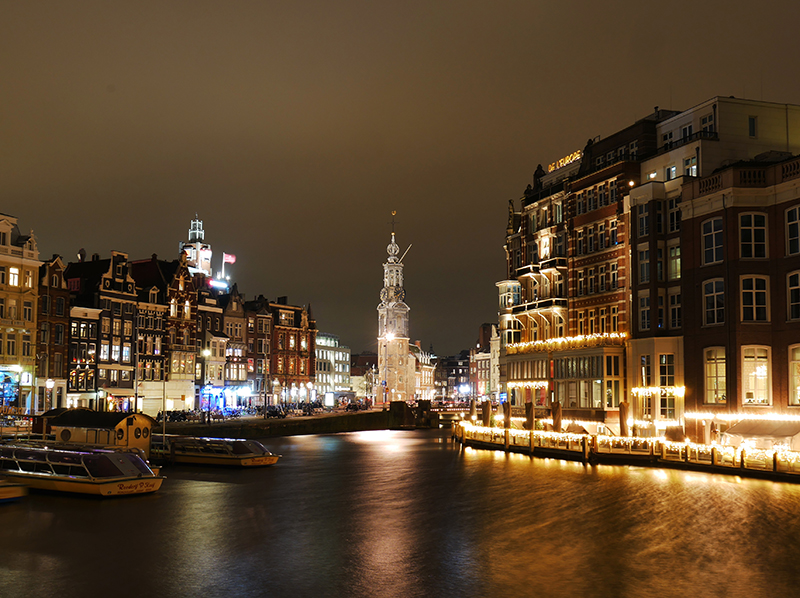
153	295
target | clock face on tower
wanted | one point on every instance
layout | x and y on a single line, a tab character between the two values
392	294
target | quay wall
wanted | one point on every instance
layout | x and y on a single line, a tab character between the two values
265	428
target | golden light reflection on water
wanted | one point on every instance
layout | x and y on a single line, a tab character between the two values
405	514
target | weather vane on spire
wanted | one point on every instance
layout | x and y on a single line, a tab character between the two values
394	213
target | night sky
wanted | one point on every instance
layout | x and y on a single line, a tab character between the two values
294	128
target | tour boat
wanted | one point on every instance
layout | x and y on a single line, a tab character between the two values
81	471
233	452
11	491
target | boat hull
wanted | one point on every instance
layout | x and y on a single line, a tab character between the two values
217	460
11	491
111	487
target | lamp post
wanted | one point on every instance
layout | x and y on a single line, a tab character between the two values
206	355
49	384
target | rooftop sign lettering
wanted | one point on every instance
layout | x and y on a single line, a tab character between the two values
565	160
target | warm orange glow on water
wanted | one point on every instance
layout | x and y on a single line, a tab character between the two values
397	514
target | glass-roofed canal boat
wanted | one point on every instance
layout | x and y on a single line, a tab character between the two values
231	452
98	472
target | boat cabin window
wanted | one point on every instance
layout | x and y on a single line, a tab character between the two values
100	466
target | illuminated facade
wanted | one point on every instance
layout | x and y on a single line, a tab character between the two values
197	251
52	342
564	309
108	286
212	346
424	369
685	250
166	334
332	372
19	273
741	266
397	379
258	338
237	391
294	335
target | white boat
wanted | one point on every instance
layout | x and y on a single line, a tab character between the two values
98	472
231	452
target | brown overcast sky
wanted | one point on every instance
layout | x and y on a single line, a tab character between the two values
293	128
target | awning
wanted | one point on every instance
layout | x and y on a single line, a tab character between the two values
765	434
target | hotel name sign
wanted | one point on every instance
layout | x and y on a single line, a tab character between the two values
574	156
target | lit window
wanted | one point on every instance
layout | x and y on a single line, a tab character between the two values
715	375
645	370
794	375
755	375
13	277
666	370
690	166
674	265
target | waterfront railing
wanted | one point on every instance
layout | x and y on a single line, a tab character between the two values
655	450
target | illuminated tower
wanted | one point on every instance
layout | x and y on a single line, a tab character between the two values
198	253
393	356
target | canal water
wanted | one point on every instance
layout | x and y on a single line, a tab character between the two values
405	514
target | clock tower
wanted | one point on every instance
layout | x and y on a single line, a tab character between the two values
397	382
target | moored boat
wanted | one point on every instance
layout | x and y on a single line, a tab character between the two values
231	452
98	472
11	491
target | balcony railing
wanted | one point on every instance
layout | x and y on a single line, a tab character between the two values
743	176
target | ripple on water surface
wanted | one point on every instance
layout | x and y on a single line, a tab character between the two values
403	514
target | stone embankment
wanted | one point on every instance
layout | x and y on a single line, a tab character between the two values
398	416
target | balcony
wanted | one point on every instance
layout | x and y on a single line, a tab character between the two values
671	145
613	339
743	175
541	305
554	263
527	270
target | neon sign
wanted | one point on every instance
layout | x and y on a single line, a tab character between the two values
574	156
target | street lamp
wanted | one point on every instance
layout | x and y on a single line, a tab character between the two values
50	383
206	355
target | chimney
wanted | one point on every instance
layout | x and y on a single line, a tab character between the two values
95	257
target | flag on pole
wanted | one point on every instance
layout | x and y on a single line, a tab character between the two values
228	258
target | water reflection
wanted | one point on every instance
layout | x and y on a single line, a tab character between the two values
410	514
